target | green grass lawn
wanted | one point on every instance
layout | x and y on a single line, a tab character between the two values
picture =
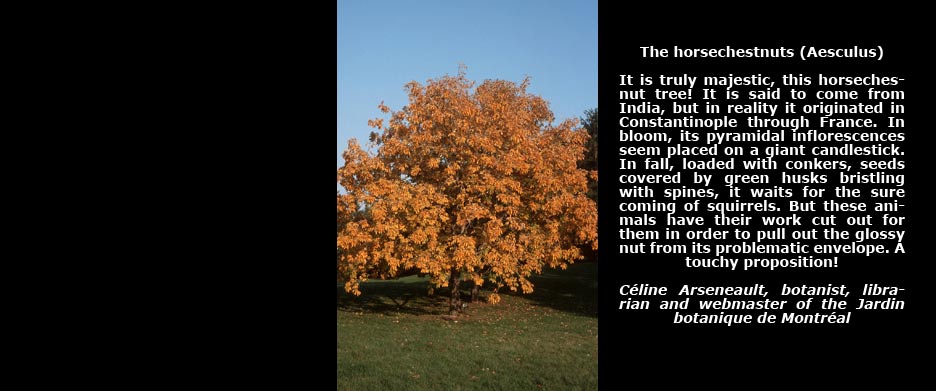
395	337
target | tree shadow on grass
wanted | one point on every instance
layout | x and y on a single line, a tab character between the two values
574	290
405	296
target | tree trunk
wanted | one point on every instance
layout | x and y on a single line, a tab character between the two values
474	292
455	303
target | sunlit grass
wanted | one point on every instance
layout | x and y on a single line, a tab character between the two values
396	337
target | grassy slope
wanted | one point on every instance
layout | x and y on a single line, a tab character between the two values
394	337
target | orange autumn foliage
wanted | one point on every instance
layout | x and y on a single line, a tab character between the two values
466	184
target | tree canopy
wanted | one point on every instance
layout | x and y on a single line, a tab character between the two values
590	161
465	183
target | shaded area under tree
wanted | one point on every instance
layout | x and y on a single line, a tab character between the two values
573	290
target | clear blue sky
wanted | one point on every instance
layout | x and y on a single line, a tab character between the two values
382	45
